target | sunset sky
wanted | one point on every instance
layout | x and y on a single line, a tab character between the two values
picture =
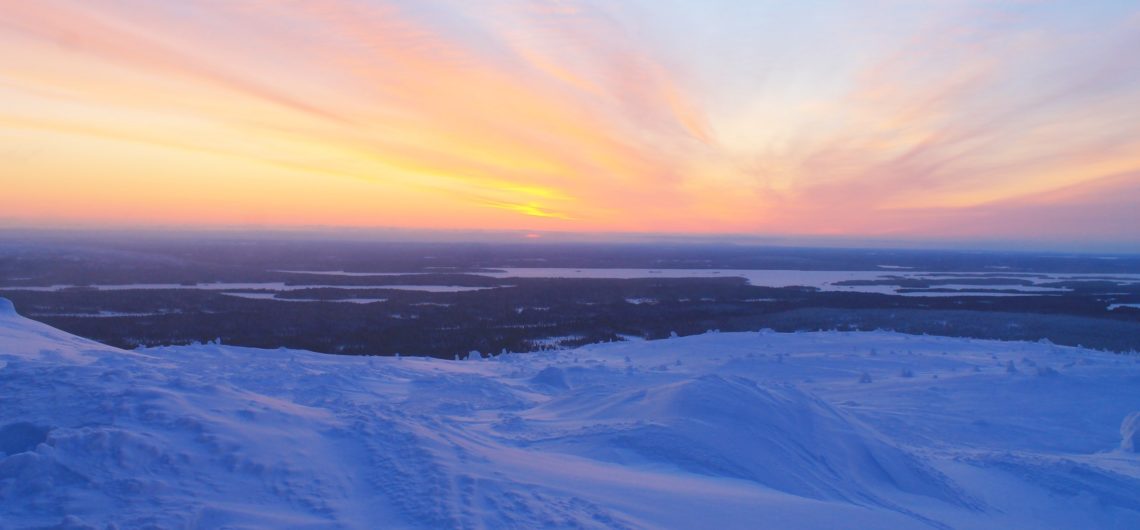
910	119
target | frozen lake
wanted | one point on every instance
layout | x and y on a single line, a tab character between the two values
273	296
943	283
260	286
830	280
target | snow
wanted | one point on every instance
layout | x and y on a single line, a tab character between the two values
723	430
103	314
769	278
344	273
823	280
1130	433
255	286
639	301
273	296
556	341
827	280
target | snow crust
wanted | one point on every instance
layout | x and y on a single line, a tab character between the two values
728	430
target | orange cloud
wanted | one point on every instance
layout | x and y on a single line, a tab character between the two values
568	115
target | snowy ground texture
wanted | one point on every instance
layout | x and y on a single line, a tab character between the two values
733	430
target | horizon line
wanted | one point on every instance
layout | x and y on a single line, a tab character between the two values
535	237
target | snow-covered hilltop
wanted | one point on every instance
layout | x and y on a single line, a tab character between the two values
740	430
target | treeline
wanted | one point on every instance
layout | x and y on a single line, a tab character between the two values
521	317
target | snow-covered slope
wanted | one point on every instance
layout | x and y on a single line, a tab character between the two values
741	430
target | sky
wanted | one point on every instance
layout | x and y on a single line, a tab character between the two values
934	119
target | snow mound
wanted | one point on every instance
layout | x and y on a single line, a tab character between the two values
1130	433
22	338
552	377
776	436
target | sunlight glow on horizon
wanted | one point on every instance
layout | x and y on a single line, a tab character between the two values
935	119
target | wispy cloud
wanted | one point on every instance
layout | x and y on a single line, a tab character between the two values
579	114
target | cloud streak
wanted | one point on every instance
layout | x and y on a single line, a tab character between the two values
576	115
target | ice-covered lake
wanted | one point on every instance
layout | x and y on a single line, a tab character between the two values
946	283
256	286
831	280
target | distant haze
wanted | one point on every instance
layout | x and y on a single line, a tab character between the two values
98	233
963	123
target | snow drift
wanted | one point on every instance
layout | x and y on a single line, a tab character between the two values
1130	433
740	430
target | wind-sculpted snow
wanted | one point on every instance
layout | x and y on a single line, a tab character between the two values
742	430
718	426
1130	433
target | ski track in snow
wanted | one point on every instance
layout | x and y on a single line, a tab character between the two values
732	430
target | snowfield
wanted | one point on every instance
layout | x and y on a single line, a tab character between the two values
733	430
